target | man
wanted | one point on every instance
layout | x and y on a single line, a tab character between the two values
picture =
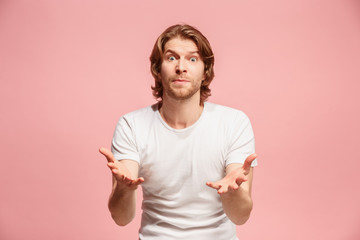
194	159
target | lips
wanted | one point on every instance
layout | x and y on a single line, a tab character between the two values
180	80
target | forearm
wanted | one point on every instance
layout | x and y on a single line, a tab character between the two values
122	205
237	205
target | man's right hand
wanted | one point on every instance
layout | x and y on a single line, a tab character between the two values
120	172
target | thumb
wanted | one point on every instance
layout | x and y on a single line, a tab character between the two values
107	153
248	161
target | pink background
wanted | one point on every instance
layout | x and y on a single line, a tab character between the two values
69	70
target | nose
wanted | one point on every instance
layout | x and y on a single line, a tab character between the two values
180	67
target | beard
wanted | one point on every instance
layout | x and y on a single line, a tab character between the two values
181	92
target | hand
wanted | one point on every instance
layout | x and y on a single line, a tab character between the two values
233	180
120	171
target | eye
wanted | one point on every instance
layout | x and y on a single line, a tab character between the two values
171	58
193	59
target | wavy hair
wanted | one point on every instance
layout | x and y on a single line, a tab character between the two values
186	32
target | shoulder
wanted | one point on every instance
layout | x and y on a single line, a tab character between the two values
142	113
139	117
225	113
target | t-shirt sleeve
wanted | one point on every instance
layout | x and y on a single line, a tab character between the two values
124	143
241	141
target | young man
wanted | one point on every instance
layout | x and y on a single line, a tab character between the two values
194	159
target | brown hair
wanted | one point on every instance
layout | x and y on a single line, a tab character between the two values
187	32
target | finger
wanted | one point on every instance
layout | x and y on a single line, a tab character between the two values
234	186
240	180
119	177
213	185
223	189
138	181
113	168
248	161
116	172
111	165
128	180
107	153
116	164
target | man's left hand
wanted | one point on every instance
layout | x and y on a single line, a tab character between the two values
233	180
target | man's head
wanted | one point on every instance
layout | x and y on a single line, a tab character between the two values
204	49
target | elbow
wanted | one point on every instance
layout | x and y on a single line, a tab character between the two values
241	220
244	216
121	221
121	216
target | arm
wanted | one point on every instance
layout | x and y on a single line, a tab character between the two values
122	201
235	190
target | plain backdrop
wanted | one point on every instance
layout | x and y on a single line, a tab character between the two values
69	69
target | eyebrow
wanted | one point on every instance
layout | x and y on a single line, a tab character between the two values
171	51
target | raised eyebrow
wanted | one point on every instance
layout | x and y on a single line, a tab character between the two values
170	51
195	52
189	53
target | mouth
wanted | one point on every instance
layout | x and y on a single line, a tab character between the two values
180	81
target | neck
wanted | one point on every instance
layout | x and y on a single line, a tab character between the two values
180	114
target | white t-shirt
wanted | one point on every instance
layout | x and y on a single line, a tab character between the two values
177	163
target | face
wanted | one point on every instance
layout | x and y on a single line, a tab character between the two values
182	69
